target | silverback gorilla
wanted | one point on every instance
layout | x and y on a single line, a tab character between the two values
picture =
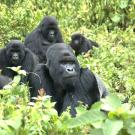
46	34
64	79
16	54
81	44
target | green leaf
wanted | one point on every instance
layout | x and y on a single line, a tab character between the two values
88	117
112	127
123	4
111	103
96	132
16	80
8	86
16	69
116	18
131	131
22	72
96	106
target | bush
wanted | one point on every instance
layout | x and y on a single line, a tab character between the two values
109	23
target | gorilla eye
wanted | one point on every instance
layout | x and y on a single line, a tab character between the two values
67	61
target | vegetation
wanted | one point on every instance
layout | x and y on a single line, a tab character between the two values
111	24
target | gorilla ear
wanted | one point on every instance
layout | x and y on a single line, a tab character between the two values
46	65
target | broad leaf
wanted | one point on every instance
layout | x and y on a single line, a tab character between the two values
86	118
112	127
111	103
116	18
123	4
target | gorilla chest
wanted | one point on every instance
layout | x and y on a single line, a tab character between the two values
44	46
84	95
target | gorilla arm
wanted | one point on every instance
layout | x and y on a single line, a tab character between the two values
90	86
29	63
102	89
39	79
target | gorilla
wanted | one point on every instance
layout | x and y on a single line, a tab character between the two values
46	34
63	79
16	54
4	80
81	44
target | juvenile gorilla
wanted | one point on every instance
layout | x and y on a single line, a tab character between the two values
64	79
4	80
15	54
81	44
46	34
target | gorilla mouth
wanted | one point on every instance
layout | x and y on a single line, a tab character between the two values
70	76
15	62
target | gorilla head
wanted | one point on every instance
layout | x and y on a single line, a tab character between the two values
63	68
49	28
77	41
15	52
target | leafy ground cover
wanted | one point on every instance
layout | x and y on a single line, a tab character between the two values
109	23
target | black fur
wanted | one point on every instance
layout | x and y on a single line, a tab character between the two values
81	44
38	40
4	80
64	79
16	54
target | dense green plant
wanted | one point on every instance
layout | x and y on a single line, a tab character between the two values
18	17
110	23
20	117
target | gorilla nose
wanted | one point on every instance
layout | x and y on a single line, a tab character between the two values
15	57
70	70
76	42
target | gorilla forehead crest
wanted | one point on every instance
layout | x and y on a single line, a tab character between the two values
15	44
49	21
60	49
77	34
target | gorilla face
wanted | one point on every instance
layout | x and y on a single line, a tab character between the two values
51	35
76	41
49	28
63	67
15	52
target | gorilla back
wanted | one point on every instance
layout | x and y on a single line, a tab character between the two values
64	79
46	34
15	54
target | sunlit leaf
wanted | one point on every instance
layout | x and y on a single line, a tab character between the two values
112	127
123	4
116	18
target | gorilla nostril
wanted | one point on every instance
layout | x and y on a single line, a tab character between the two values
66	54
70	70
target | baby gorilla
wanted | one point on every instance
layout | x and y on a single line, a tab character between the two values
64	80
15	54
81	44
46	34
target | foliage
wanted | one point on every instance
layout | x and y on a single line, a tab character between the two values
22	118
114	119
19	17
111	24
114	60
